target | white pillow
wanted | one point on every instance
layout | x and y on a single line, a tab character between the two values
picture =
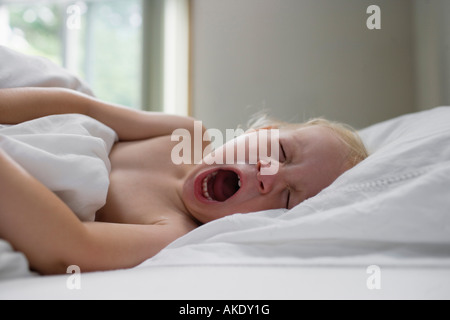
20	70
406	128
409	143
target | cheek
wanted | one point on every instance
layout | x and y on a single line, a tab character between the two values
207	214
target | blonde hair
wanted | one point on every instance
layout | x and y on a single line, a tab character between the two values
349	136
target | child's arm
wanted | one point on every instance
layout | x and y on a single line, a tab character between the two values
22	104
36	222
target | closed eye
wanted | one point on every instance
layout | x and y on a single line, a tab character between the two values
288	198
283	153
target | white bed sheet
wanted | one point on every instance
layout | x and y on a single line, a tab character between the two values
238	282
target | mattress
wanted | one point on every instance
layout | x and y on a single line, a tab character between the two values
238	282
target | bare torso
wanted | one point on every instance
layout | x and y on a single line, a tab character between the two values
145	185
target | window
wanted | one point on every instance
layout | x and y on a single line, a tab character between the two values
128	51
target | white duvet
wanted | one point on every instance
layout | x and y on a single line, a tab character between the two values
69	155
19	70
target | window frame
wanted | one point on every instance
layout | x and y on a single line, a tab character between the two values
165	52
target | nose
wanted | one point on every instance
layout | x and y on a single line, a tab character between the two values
266	182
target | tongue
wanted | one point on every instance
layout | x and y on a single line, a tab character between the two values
225	185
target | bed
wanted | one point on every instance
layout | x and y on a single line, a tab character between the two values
380	231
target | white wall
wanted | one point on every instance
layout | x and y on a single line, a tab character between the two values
432	52
299	59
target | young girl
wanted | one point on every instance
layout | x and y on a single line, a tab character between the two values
150	200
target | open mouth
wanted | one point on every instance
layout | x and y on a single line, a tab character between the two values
220	185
